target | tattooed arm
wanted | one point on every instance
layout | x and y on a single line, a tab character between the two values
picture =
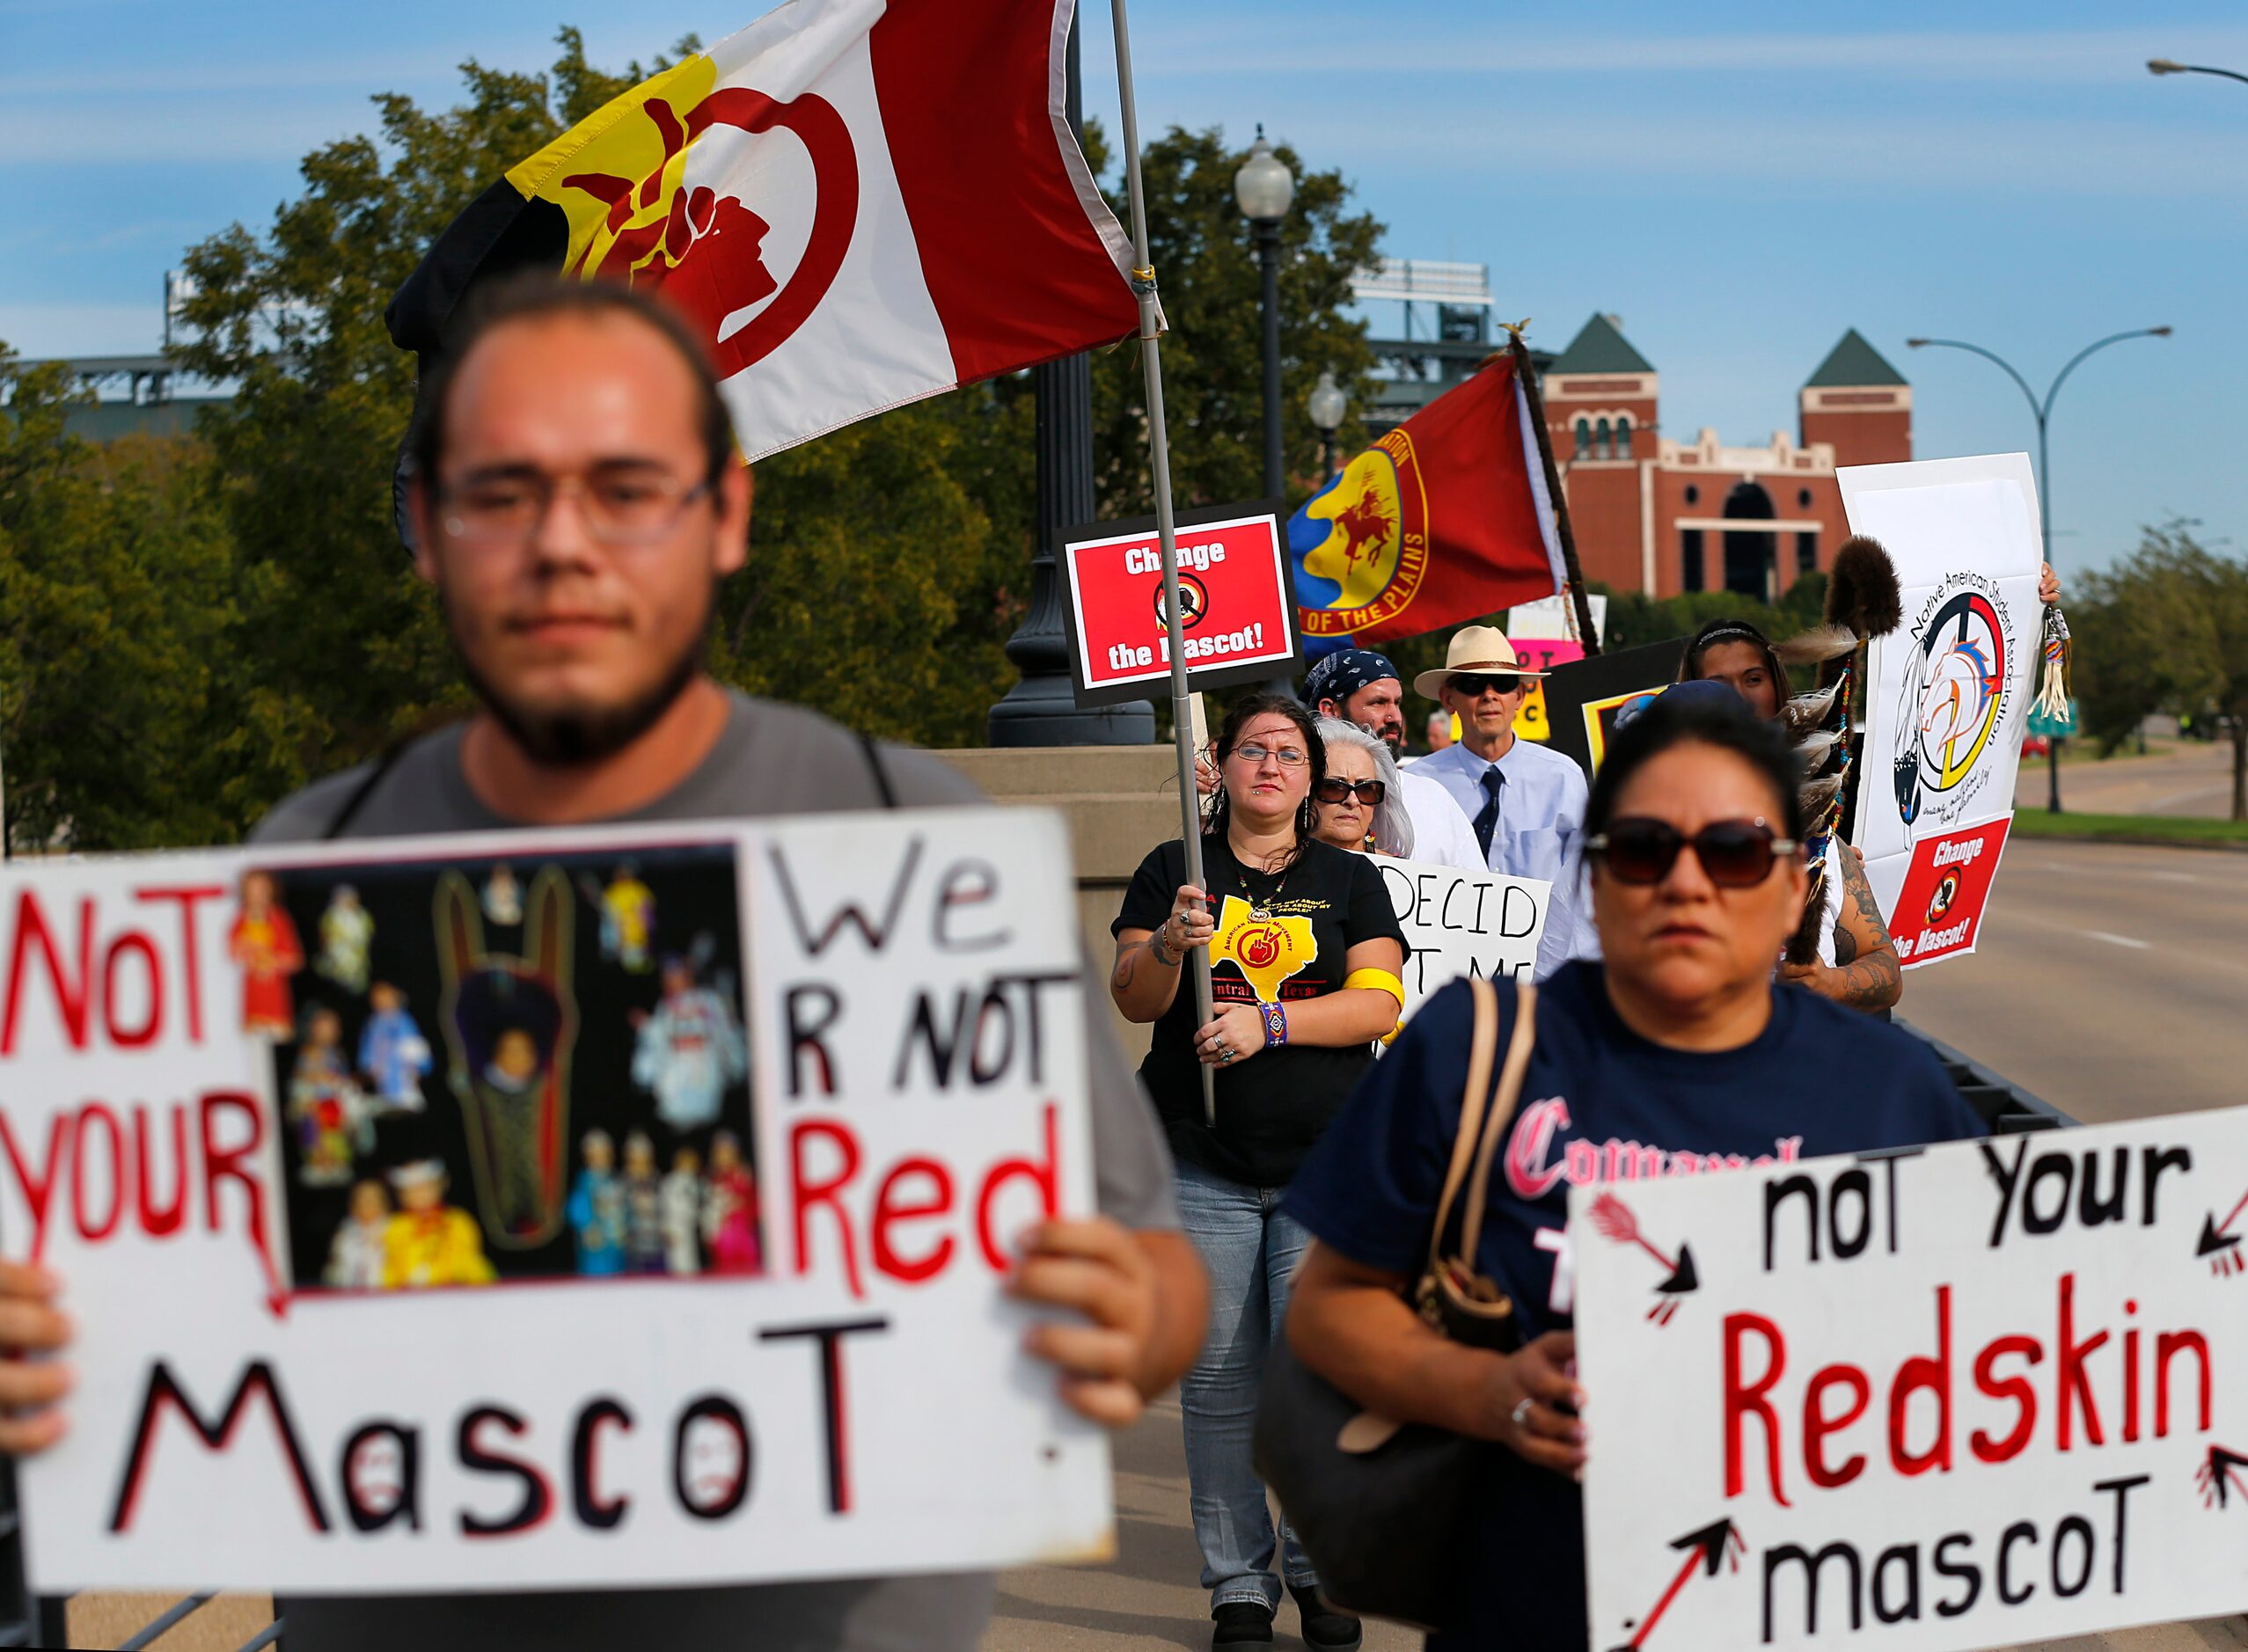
1866	975
1146	978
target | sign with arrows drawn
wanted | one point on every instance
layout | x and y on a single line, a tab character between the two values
1973	1395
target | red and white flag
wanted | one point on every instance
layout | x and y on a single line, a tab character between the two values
859	204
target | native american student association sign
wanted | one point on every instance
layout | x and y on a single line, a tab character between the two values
1950	689
1237	608
1977	1395
537	1210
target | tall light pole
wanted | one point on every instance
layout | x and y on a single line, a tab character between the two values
2042	411
1041	709
1327	407
2166	66
1265	187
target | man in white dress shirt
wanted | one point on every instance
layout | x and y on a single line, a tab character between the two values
1362	687
1525	802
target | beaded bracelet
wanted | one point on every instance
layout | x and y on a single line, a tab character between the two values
1276	1026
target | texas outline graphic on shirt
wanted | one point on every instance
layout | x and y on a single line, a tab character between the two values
1266	950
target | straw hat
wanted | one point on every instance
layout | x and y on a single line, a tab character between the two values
1474	651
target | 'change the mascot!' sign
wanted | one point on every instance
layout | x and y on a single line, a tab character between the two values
544	1209
1976	1395
1237	609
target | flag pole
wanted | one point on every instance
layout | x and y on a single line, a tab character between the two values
1158	444
1528	379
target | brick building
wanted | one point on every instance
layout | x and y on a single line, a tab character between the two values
1661	515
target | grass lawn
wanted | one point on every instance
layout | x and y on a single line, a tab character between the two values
2168	828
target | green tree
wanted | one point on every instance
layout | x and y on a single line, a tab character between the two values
1212	292
2170	630
123	723
888	561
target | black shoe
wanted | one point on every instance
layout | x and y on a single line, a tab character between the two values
1326	1629
1243	1623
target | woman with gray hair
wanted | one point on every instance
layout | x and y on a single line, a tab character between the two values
1359	803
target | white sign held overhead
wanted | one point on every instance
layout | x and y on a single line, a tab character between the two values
548	1210
1949	692
1981	1394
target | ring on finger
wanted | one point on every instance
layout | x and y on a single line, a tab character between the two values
1521	1412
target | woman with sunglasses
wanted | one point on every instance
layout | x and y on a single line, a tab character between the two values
1675	1055
1361	807
1305	952
1857	963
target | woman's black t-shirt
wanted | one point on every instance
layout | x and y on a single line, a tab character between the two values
1282	937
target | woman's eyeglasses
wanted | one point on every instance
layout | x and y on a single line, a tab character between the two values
1369	792
1286	756
1737	854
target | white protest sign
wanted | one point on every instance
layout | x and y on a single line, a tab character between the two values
1552	618
1462	923
657	1236
1976	1395
1949	692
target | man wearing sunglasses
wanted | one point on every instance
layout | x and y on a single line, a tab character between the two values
1360	686
1524	801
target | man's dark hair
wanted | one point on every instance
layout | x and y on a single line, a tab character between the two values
1724	721
536	296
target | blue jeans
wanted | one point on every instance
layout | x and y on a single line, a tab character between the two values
1249	1250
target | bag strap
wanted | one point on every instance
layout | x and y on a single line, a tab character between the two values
1510	1092
1480	1052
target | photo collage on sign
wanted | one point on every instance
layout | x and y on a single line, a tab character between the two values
491	1071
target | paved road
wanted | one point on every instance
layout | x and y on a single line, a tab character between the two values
2192	777
2111	981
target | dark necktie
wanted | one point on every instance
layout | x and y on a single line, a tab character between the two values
1487	822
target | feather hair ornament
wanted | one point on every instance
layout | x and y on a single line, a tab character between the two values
1863	600
2053	686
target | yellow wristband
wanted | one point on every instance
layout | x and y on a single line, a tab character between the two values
1376	980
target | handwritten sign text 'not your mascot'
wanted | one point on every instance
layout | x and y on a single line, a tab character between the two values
550	1209
1973	1395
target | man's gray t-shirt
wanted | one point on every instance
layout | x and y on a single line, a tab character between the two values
772	759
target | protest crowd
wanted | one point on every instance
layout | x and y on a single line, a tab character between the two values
1272	1195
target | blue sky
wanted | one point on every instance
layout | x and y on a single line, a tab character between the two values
1739	181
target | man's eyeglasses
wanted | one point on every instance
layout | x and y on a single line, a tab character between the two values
1287	756
619	505
1737	854
1369	792
1475	687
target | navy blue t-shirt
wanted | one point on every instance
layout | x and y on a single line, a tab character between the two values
1599	1104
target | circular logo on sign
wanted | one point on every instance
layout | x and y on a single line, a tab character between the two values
1950	699
1194	602
1947	890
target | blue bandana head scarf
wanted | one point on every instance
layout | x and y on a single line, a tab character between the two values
1343	672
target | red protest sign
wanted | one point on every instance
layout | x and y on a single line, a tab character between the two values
1941	906
1237	600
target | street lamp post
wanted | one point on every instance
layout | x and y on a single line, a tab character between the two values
1042	709
2166	66
1265	187
1327	408
2042	411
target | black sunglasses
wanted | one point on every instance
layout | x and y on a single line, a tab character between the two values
1334	790
1475	687
1737	854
